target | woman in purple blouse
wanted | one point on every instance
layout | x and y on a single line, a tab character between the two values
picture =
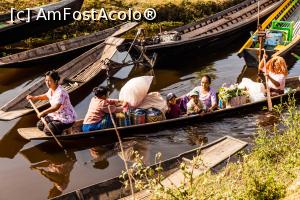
206	93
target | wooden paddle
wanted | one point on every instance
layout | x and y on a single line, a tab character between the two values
269	100
46	124
122	151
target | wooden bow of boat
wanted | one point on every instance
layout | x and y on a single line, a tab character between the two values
61	49
74	75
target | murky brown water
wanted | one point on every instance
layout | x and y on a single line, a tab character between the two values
34	170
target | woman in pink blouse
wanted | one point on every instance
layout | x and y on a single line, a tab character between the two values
61	115
97	116
276	72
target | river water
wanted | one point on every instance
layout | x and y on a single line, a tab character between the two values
33	170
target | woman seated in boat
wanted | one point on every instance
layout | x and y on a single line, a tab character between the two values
97	116
195	105
207	94
61	115
173	108
276	73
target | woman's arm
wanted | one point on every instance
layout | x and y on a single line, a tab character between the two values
213	100
49	110
39	97
276	83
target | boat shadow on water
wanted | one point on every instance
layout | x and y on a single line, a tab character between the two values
57	165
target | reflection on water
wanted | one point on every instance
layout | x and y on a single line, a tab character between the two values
88	162
55	167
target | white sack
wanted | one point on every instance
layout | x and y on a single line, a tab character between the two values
256	90
135	90
155	100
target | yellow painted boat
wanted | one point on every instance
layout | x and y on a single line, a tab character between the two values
282	34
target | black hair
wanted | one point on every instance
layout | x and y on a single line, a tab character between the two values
208	78
54	75
100	91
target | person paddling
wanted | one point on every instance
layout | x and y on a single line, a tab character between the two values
61	114
276	72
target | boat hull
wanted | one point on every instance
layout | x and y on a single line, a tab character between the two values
21	30
109	134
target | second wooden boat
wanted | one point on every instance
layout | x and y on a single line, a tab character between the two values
18	29
211	155
33	133
74	75
282	34
208	31
61	50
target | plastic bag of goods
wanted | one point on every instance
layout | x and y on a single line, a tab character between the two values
123	119
138	116
256	90
135	90
154	115
154	100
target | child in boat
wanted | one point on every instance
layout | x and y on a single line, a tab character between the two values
194	105
207	94
276	72
61	115
98	116
173	108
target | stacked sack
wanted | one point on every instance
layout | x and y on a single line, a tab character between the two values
144	107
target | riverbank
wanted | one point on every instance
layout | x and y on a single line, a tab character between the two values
270	171
170	14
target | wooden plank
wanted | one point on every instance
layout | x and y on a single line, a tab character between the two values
124	28
210	157
28	133
6	116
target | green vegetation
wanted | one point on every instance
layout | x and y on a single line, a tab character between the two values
170	14
267	172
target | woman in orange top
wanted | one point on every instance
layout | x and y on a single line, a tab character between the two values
276	72
97	116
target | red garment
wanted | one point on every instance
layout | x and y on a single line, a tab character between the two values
173	112
98	107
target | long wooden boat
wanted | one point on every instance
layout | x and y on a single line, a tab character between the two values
210	30
34	134
74	75
61	50
211	155
15	31
284	21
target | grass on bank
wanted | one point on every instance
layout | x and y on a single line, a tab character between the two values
267	172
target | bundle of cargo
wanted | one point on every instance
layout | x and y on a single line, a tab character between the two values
232	96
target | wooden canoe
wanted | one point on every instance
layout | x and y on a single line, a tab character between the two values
33	133
13	32
212	29
211	154
289	11
61	50
74	75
